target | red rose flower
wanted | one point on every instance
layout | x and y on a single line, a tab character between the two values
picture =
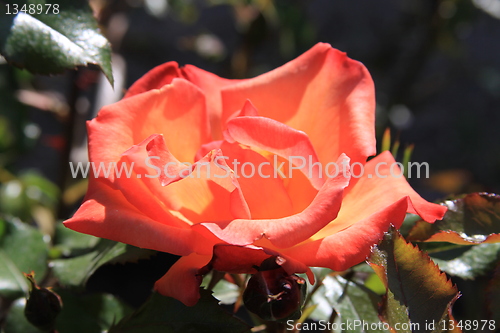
184	131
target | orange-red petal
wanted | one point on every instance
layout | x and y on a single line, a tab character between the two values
265	194
177	110
209	83
352	245
107	213
275	137
377	189
288	231
323	93
182	281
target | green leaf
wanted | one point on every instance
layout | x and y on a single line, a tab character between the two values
16	321
71	243
225	291
39	189
386	140
417	292
168	315
475	261
407	158
353	303
76	271
22	250
92	313
472	219
52	38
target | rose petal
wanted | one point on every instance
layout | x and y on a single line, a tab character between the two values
265	194
323	93
350	246
248	109
371	193
182	281
106	213
300	191
155	78
246	259
277	138
209	83
288	231
176	110
207	147
205	191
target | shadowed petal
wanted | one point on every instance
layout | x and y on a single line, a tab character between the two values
246	259
182	281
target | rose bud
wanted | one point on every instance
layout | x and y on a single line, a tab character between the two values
43	305
275	295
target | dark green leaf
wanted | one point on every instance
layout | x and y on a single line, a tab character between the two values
71	243
475	261
16	321
225	291
354	304
39	189
351	301
167	315
92	313
472	219
75	271
417	292
53	38
22	250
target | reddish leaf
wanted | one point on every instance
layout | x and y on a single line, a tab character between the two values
472	219
418	293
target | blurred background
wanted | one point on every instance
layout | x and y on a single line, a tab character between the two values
435	63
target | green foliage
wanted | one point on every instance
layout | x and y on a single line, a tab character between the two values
92	313
75	271
22	250
471	219
89	313
48	38
473	262
165	314
352	302
22	195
